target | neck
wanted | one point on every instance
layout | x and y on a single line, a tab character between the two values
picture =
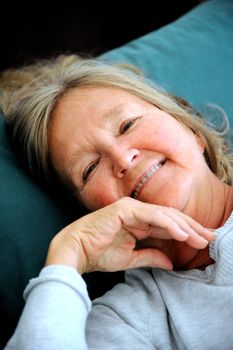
201	260
218	203
220	208
228	194
215	204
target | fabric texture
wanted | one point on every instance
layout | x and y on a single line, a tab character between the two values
191	57
154	309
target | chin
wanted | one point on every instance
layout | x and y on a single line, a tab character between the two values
176	190
178	197
171	202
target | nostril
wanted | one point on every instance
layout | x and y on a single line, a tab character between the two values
123	160
134	155
122	172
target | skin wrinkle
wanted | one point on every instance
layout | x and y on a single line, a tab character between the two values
113	114
185	181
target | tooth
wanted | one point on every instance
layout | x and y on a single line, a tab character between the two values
153	170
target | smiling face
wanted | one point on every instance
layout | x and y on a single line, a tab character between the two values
111	144
114	144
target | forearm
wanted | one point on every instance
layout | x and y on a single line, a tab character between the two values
55	313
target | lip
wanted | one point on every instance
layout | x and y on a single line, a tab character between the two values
145	177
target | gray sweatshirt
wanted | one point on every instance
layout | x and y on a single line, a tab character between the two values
153	309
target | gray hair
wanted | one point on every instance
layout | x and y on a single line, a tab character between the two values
30	95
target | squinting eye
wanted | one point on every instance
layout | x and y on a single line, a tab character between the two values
89	170
126	126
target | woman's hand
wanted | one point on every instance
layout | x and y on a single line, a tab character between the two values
105	240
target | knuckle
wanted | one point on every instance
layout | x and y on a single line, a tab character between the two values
173	210
125	201
157	210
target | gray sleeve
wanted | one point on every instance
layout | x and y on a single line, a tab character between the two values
108	329
54	317
120	320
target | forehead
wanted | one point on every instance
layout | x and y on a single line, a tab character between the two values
90	106
94	99
81	110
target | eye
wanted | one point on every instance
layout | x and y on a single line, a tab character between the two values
88	170
126	125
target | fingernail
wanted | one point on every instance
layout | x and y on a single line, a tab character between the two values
183	234
205	241
211	234
168	267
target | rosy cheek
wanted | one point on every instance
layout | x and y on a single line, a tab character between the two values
150	140
104	200
97	199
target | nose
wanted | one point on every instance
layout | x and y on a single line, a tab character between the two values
124	159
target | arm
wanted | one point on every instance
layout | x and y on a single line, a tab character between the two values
54	317
104	240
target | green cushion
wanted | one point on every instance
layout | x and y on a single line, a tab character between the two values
29	218
191	57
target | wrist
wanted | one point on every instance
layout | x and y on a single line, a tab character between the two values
60	253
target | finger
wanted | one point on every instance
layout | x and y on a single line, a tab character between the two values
156	217
150	257
179	230
198	236
168	230
167	227
144	219
206	233
194	239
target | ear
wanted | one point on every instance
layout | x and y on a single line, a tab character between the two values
200	141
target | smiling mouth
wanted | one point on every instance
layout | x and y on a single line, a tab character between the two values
146	177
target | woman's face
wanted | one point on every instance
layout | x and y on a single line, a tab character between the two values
111	144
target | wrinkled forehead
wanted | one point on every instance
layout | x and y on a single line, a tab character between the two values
83	109
92	105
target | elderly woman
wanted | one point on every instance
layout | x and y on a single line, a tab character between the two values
158	181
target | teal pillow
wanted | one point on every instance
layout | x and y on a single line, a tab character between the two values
192	58
29	219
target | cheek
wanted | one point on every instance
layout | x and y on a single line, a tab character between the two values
164	135
98	196
155	142
154	138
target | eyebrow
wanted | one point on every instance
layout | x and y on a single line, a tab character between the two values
113	112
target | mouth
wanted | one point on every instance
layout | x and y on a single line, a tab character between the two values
145	178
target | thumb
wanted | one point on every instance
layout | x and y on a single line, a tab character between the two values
149	257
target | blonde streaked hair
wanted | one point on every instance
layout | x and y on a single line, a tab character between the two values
29	96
